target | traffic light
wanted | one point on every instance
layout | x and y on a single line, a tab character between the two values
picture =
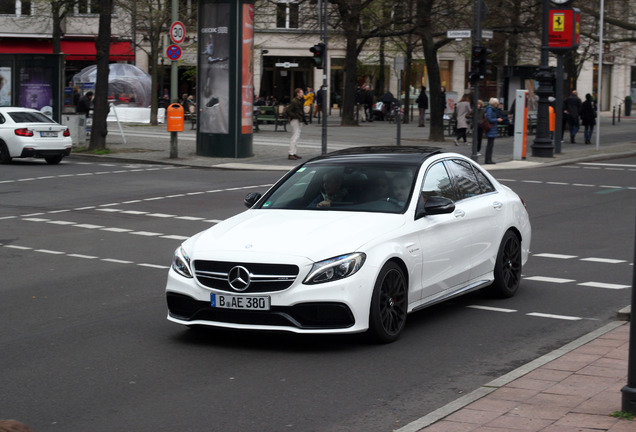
484	63
473	75
319	51
479	63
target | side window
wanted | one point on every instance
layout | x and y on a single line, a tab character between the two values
2	119
484	183
437	182
464	178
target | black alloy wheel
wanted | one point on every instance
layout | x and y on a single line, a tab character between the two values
388	304
507	268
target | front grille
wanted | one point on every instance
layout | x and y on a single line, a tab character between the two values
303	315
263	277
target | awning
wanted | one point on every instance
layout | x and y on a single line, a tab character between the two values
73	49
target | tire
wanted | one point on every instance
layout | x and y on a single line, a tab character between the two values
5	158
507	268
53	160
388	304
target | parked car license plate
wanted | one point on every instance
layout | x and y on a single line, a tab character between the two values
226	301
48	134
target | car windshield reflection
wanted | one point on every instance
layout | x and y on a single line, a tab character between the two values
342	187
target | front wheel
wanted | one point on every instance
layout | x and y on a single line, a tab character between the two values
507	268
388	304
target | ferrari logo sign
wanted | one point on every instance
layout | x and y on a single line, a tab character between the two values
563	29
558	22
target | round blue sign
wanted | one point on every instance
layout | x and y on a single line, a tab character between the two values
173	52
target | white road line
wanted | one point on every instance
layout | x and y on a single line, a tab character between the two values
606	164
89	226
18	247
492	309
561	317
549	279
147	233
52	252
117	261
118	230
556	256
82	256
163	267
603	260
604	285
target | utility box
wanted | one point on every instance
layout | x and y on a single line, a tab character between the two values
174	118
76	124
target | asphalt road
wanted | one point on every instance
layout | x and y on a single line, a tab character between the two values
85	250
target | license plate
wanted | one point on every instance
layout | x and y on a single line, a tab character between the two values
48	134
226	301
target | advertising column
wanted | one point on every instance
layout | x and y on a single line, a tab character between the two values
224	83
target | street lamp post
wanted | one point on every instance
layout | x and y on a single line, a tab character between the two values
543	146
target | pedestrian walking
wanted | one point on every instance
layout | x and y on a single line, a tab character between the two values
463	110
309	104
491	115
368	103
422	106
479	117
296	114
588	117
572	110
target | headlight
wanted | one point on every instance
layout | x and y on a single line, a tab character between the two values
181	262
335	268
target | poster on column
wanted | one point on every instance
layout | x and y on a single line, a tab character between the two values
214	66
247	85
5	86
35	87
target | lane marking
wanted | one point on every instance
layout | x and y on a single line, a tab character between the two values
604	285
549	279
492	309
560	317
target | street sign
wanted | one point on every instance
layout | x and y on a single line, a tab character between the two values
173	52
398	63
458	34
177	32
466	34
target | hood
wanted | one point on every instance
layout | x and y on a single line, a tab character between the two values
315	235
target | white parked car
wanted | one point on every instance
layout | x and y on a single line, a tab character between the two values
351	242
26	132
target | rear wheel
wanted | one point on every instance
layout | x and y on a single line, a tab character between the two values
5	158
507	268
388	304
53	160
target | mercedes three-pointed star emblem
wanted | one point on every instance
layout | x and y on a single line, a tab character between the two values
239	278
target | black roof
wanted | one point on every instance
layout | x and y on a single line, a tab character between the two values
401	154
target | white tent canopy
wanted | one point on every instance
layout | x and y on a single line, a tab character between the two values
123	79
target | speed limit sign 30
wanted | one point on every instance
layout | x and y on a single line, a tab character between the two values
177	32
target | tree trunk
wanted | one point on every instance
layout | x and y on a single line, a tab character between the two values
100	104
351	82
436	104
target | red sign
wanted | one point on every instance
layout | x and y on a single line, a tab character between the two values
177	32
563	29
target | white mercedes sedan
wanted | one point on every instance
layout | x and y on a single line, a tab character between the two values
354	241
26	133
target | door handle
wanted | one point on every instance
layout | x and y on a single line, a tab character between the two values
459	213
497	205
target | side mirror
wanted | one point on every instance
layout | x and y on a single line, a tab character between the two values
434	205
251	199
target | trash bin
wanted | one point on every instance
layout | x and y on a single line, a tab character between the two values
77	126
174	118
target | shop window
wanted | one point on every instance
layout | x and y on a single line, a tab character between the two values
15	7
87	7
287	15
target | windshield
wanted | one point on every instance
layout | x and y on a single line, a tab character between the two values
354	187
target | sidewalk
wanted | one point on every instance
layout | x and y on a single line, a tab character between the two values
151	144
574	388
